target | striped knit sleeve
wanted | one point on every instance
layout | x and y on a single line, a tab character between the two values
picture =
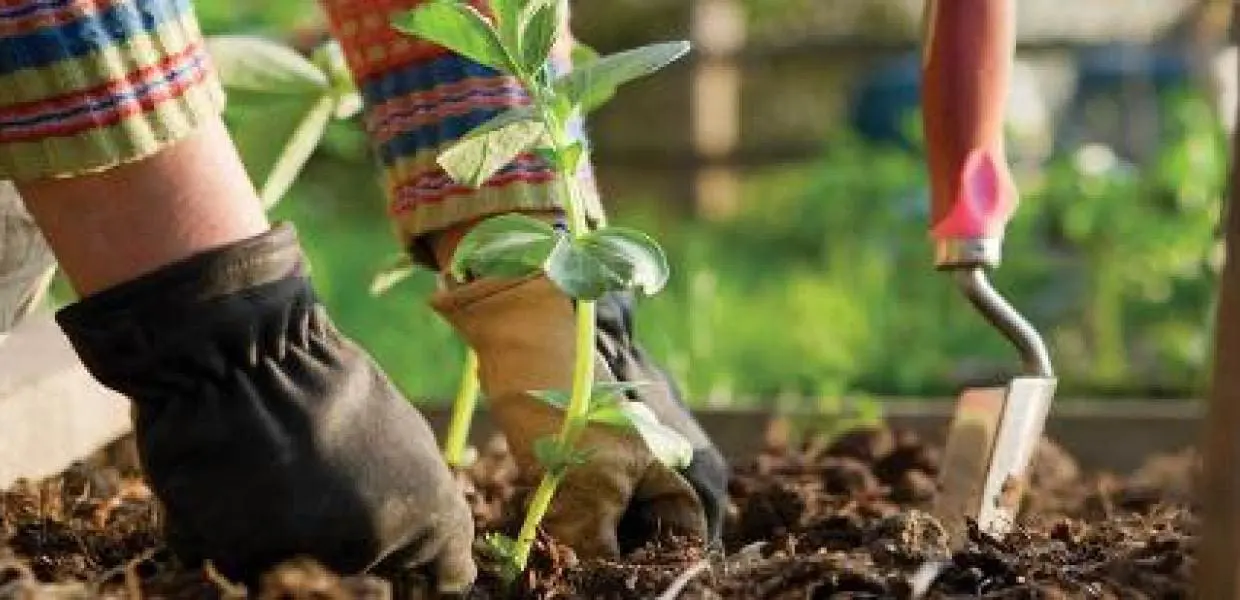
419	99
89	84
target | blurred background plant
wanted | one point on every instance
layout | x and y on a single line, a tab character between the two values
808	277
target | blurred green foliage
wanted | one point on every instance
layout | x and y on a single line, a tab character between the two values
823	285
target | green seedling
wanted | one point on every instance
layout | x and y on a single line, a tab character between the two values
585	261
270	82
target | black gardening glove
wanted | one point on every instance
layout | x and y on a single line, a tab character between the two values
707	473
265	433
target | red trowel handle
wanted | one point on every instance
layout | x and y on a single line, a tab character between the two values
967	65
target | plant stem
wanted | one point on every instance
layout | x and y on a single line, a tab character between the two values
540	502
583	375
462	412
576	415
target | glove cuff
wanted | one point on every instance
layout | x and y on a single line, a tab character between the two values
522	329
121	329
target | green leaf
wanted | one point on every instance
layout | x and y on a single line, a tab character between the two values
583	55
555	398
564	108
556	457
617	388
602	395
540	34
665	443
632	252
606	403
511	245
577	273
573	156
296	153
607	260
549	156
330	59
508	17
254	64
503	549
476	158
591	86
501	545
399	270
459	27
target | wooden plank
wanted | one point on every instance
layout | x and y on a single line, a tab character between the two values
1218	575
52	412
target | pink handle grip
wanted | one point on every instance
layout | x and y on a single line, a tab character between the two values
985	200
968	62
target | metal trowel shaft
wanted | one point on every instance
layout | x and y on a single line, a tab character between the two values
969	47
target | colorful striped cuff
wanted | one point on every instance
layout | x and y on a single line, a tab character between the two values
89	84
419	100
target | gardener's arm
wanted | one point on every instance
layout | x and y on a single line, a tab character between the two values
264	432
419	100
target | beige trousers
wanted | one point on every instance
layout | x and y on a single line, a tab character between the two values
26	263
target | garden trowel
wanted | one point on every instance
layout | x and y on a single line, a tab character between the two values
967	65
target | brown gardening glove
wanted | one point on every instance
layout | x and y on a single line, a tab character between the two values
523	332
266	433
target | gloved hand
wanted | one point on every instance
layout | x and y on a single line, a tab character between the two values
523	332
264	432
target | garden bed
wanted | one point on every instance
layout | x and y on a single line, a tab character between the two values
808	520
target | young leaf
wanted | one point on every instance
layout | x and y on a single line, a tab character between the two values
590	86
607	260
540	34
459	27
583	55
577	273
330	59
253	64
667	445
555	457
603	393
511	245
618	388
475	159
499	544
297	151
508	17
633	256
504	550
573	155
610	413
554	398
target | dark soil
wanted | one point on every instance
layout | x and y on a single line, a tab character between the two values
808	520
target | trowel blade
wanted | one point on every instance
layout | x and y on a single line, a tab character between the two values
991	441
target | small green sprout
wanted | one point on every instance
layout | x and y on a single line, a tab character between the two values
586	262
